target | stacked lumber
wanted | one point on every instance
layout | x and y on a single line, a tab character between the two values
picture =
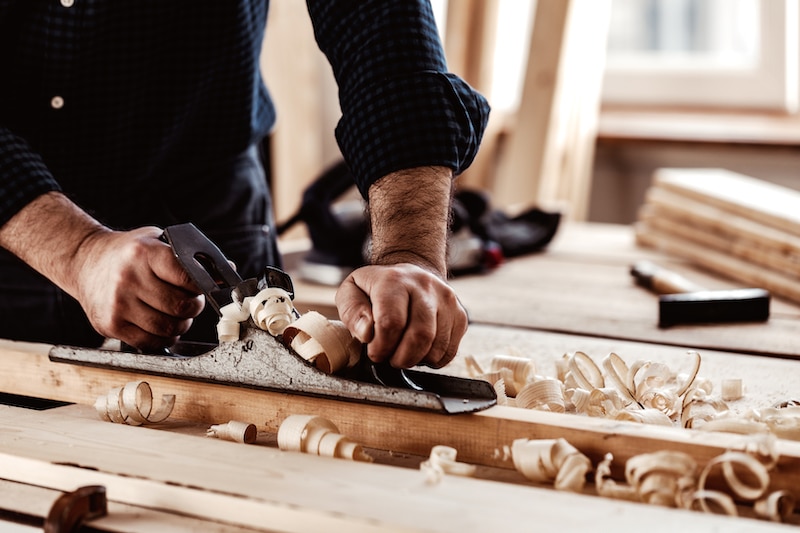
737	226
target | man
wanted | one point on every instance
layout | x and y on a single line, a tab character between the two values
119	118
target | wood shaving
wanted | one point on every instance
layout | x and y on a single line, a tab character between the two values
544	395
442	460
644	416
132	404
272	310
733	464
521	370
709	500
316	435
551	461
584	371
327	344
777	506
234	431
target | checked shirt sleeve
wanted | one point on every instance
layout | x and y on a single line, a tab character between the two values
23	175
400	106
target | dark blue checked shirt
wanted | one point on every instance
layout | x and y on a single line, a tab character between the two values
101	98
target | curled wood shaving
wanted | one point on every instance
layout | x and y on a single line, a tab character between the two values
272	310
732	464
663	478
234	431
551	461
784	423
473	367
441	461
327	344
583	370
229	325
644	416
544	395
617	372
522	369
604	402
777	506
316	435
607	487
660	399
697	407
132	404
709	500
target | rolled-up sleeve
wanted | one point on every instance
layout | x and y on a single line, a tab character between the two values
401	108
23	175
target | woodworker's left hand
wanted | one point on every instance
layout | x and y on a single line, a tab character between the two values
401	305
407	315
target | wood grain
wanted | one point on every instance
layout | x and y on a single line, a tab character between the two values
478	438
285	491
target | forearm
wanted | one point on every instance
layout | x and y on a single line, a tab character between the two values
410	213
47	234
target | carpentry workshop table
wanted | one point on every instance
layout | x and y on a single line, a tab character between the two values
578	295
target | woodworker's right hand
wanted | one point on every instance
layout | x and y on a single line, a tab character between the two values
132	288
129	283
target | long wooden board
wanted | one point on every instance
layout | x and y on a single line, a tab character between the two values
755	199
478	437
718	261
263	485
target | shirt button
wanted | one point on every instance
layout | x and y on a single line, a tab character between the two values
57	102
67	3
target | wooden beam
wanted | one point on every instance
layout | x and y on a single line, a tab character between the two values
304	92
479	438
549	157
269	490
469	42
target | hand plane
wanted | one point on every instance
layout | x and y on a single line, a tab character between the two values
260	361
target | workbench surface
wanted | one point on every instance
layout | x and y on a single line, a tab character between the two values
576	296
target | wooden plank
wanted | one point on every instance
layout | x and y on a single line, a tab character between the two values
734	267
551	146
302	86
742	233
71	451
477	437
469	41
755	199
753	251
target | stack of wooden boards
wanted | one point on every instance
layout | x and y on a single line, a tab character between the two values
741	227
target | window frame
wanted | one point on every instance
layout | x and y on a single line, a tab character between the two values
772	84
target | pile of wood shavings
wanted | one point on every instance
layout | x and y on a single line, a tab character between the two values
644	391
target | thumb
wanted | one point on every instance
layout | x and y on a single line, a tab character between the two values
355	311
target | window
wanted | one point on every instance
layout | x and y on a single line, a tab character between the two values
708	53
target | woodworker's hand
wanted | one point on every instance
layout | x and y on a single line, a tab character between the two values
133	289
401	305
129	283
406	314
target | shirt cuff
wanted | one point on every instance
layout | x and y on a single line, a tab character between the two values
23	175
427	119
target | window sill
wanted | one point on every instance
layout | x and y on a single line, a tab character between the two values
734	127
